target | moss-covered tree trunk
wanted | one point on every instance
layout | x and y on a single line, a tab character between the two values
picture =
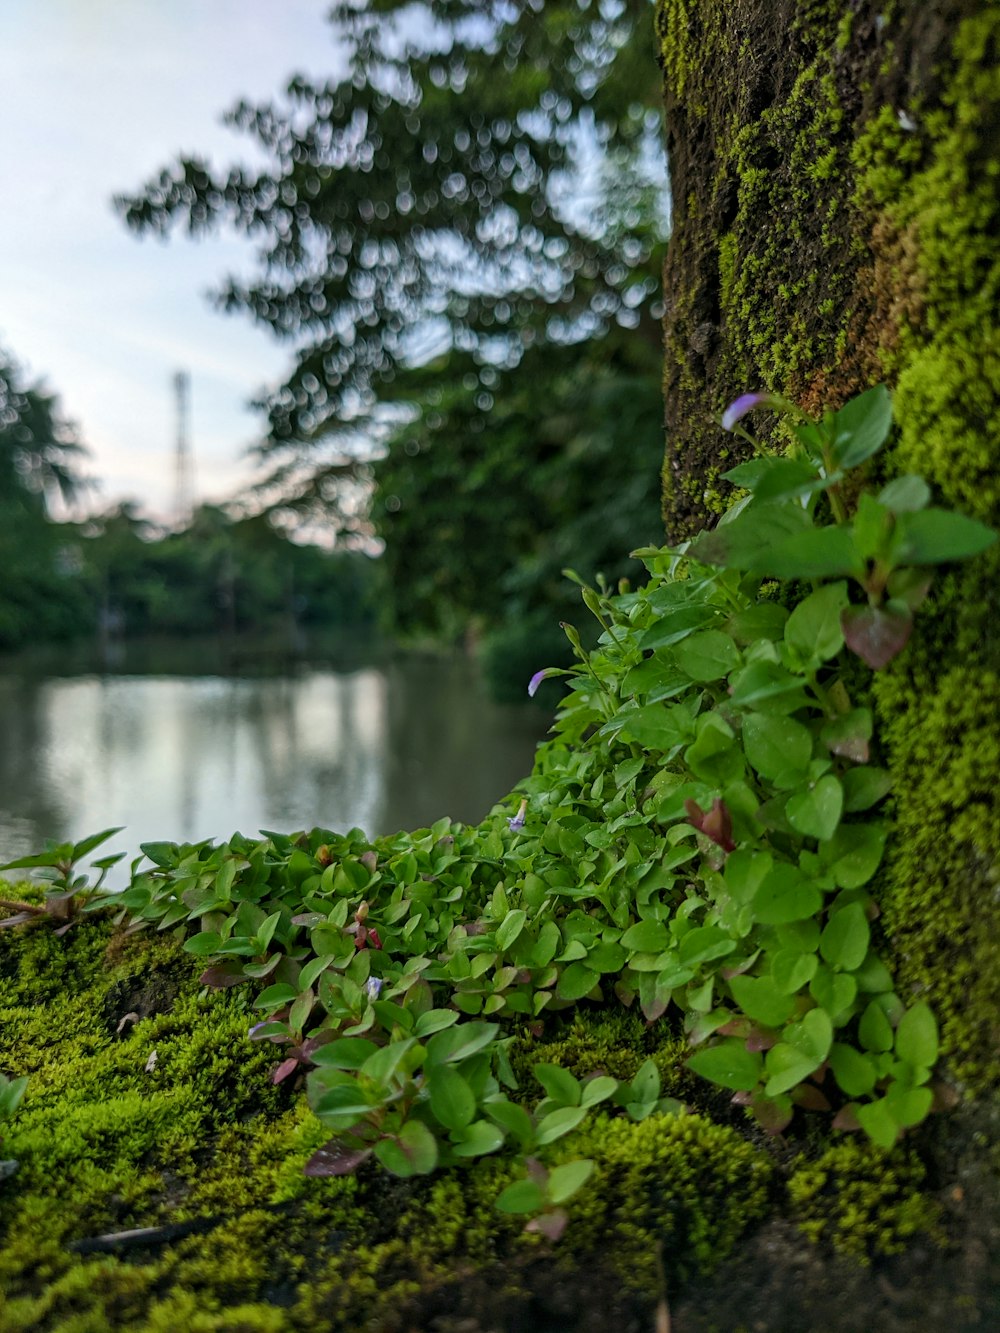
835	172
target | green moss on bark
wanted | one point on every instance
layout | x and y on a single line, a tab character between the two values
836	209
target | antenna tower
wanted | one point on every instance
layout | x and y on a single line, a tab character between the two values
183	463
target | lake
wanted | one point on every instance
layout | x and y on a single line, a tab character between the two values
187	752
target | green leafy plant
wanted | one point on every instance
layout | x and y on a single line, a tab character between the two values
70	893
699	840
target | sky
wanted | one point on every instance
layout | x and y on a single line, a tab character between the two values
95	97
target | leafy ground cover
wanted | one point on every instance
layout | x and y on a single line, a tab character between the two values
677	909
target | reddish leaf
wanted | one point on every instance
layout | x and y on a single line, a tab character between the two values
286	1067
308	919
716	824
337	1158
18	920
946	1098
220	975
538	1173
772	1116
847	1119
761	1039
808	1096
551	1225
736	1027
877	633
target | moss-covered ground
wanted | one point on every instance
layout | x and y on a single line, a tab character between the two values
160	1184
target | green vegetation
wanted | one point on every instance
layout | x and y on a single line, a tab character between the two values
464	232
697	843
701	835
816	288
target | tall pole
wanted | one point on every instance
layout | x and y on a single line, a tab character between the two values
183	465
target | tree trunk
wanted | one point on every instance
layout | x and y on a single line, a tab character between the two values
836	224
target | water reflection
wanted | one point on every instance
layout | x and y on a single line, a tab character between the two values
186	758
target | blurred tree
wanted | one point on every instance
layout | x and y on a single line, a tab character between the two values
40	456
462	214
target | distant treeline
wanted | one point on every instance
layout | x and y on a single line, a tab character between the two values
115	575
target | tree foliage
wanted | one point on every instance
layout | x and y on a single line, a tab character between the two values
40	458
472	198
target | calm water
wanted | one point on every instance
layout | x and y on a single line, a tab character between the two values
183	757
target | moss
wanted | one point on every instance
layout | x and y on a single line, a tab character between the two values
603	1041
843	230
203	1150
687	1184
861	1202
933	190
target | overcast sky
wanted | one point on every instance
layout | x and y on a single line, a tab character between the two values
96	96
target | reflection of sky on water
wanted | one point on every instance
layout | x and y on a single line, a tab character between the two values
187	758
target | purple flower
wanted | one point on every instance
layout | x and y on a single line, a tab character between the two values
517	823
737	410
537	679
373	987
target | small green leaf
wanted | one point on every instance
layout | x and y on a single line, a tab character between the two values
656	727
565	1180
345	1053
834	992
905	495
776	478
874	1030
878	1122
774	744
765	620
768	685
557	1123
598	1089
849	735
708	656
88	844
761	1000
737	542
411	1152
523	1196
937	536
861	426
452	1100
477	1139
917	1037
513	1118
510	927
434	1020
853	854
576	981
729	1064
562	1086
845	938
855	1073
815	812
909	1106
813	630
459	1042
646	937
812	1035
818	553
786	895
787	1066
865	787
792	969
703	944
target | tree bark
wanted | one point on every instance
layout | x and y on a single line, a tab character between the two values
836	223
